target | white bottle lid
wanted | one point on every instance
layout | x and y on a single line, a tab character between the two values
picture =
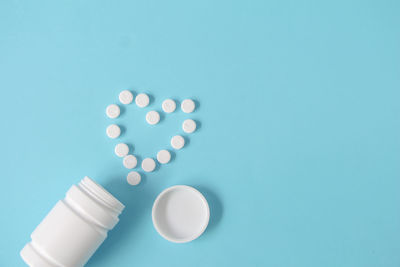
180	214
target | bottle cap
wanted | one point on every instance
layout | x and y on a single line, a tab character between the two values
180	214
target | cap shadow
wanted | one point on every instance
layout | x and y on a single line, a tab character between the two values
215	205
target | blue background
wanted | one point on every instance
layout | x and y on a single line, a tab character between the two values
299	146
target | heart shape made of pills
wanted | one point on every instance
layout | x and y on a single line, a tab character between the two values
142	100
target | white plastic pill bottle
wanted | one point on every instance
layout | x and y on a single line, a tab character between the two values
75	227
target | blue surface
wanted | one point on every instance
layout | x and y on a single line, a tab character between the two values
299	146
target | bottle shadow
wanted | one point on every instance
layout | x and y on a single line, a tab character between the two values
138	201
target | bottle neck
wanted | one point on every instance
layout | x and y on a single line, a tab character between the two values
101	195
94	204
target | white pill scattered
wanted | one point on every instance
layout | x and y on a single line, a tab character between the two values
163	156
126	97
177	142
121	150
152	117
148	164
188	105
142	100
168	105
189	126
113	111
129	161
133	178
113	131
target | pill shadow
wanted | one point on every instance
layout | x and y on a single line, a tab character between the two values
162	115
123	129
131	148
143	179
139	160
173	155
187	140
197	104
138	203
134	93
198	125
215	204
158	165
122	109
151	99
178	105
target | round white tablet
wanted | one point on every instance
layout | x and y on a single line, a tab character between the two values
113	131
142	100
163	156
189	126
129	161
177	142
180	214
113	111
133	178
152	117
126	97
188	105
148	164
168	105
121	150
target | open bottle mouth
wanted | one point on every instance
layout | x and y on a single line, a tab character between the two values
101	194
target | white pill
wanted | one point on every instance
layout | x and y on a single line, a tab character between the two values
129	161
163	156
188	105
133	178
168	105
148	164
177	142
189	126
142	100
113	131
126	97
121	150
113	111
152	117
